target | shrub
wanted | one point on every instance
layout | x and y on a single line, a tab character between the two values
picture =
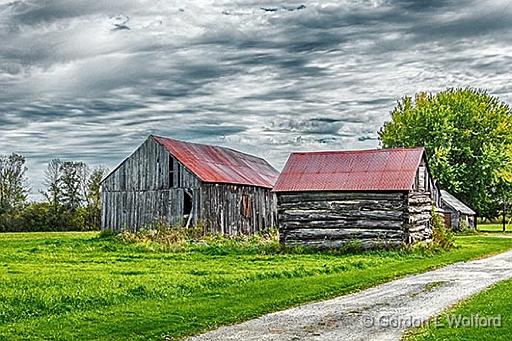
465	228
107	234
35	217
442	238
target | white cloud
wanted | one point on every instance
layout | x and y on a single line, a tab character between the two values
89	80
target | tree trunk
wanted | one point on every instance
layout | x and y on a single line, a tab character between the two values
504	216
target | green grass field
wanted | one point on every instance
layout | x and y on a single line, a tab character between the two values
64	286
492	303
498	228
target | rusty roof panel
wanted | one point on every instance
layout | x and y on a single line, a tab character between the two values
361	170
216	164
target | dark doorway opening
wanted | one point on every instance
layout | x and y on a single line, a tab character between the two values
187	203
187	208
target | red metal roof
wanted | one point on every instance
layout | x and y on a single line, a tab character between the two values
221	165
359	170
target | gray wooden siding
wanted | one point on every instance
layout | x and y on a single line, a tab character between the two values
146	169
133	209
424	182
140	192
235	209
457	218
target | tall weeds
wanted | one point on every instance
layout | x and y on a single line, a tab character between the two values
442	237
163	236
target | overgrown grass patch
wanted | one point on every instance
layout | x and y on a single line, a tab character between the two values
65	286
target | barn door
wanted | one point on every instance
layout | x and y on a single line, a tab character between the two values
448	220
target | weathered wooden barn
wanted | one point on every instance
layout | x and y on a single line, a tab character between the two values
456	213
183	183
383	196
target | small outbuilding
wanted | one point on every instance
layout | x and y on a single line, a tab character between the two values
456	213
374	197
183	183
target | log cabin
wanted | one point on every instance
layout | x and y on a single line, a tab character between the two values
371	197
190	184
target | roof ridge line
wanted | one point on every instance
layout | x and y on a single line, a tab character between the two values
211	145
217	164
355	151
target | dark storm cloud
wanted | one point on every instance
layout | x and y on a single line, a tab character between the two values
471	25
90	80
211	130
47	11
309	126
432	6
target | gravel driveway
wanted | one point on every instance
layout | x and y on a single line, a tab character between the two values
380	313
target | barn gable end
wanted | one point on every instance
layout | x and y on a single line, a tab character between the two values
140	191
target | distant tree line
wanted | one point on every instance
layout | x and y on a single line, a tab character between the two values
466	132
72	200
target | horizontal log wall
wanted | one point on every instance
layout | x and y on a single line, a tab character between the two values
332	219
419	221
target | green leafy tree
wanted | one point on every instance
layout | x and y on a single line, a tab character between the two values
37	216
73	197
13	191
73	182
94	196
53	193
13	188
468	137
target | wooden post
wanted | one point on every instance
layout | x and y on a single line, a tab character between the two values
504	215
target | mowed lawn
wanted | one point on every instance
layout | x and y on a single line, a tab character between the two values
493	303
498	228
78	286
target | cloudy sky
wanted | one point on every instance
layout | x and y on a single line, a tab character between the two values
89	80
